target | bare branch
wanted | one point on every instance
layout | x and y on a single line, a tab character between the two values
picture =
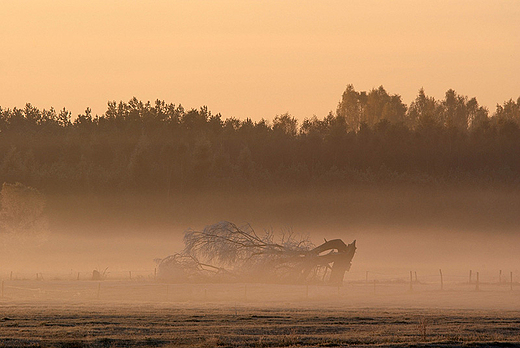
226	249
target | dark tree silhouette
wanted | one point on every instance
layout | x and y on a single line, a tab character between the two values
161	148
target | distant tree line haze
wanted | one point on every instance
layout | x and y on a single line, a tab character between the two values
371	137
22	218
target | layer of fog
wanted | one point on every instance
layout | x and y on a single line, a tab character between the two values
397	231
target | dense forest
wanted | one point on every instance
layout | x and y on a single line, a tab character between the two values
371	137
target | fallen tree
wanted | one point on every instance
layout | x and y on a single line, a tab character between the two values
226	252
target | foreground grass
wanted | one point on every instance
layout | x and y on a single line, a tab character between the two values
184	325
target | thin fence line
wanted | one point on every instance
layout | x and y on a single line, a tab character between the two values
358	276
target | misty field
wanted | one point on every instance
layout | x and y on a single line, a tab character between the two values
49	300
127	313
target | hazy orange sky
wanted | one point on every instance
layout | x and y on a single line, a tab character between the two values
254	59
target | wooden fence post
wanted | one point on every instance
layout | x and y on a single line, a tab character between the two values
469	277
477	287
500	277
442	282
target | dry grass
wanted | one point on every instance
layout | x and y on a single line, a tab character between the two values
145	314
146	325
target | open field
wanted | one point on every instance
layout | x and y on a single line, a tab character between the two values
48	299
119	313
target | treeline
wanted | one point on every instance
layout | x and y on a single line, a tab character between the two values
163	148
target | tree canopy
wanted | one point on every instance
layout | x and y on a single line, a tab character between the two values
163	148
